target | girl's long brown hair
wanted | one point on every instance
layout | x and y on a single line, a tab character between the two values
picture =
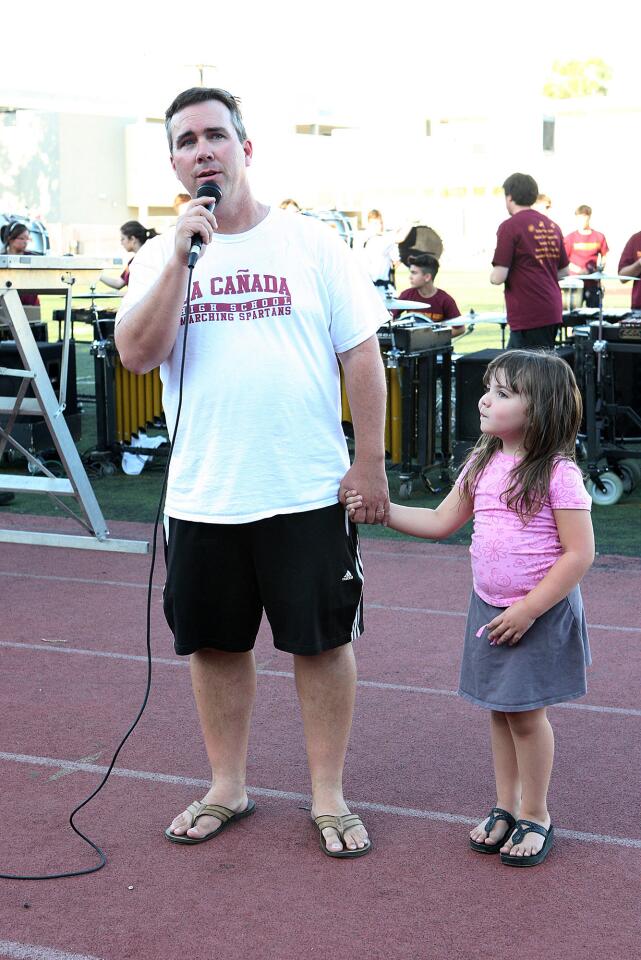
554	410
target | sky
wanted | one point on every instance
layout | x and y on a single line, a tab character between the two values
364	60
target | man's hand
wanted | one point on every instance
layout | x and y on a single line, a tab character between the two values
510	625
197	220
371	482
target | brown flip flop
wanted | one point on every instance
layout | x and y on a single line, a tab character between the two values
341	825
199	809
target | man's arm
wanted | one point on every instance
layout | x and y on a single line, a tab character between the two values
367	393
146	334
632	270
562	272
499	275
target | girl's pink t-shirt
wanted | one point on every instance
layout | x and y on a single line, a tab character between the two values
510	557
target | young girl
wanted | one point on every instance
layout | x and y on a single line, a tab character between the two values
526	643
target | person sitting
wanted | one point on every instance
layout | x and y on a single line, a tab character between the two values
440	305
132	237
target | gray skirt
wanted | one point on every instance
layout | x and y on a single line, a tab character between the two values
546	666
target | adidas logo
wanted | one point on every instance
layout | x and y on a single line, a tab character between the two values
348	576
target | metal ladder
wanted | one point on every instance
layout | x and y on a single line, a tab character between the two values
45	404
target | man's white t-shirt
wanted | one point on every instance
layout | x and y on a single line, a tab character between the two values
260	427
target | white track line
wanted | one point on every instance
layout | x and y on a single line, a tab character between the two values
394	608
459	613
91	580
437	815
28	951
376	684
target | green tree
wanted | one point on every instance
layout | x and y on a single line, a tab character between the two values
578	78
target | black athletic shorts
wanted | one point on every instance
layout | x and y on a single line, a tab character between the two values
303	569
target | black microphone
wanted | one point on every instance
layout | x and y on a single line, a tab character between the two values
204	190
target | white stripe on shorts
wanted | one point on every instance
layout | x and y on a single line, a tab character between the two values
356	632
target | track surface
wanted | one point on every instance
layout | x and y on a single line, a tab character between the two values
419	771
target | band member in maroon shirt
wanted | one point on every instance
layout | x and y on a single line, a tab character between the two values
630	266
438	305
587	250
529	259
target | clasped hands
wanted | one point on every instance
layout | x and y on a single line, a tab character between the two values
508	627
371	503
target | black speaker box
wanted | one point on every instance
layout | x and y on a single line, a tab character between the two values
566	352
51	354
38	329
470	369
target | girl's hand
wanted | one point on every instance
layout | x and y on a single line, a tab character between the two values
353	502
510	625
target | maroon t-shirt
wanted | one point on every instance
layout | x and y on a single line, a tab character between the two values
631	253
583	250
29	299
125	274
441	305
531	246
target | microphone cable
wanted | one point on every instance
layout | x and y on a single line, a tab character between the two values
101	854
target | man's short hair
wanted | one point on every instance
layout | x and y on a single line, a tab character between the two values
583	211
425	262
522	188
201	95
375	215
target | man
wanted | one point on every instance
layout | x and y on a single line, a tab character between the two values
630	266
381	254
543	203
442	307
586	249
180	203
252	509
529	259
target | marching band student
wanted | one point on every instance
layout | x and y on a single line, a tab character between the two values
630	266
586	249
526	643
529	259
423	270
132	237
15	238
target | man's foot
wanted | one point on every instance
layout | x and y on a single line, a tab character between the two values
180	825
355	838
498	830
531	844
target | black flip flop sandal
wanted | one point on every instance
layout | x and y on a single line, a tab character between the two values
523	827
496	814
199	809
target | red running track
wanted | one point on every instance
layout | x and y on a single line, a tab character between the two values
419	770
